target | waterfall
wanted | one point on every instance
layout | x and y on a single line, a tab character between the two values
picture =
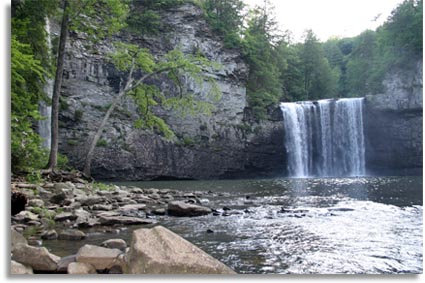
44	125
324	138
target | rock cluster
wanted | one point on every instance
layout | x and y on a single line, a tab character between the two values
63	210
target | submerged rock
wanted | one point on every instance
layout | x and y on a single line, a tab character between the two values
180	208
72	235
160	251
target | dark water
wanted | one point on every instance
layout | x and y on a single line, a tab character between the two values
327	225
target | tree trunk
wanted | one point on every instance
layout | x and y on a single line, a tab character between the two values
53	158
87	163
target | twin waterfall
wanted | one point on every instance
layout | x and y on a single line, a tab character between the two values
324	138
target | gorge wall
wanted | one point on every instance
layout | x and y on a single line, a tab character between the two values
393	124
223	145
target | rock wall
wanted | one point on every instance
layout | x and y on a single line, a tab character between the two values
222	145
393	124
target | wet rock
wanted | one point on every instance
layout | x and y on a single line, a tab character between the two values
159	211
19	268
64	262
209	231
100	258
35	242
49	235
179	208
71	235
143	199
114	244
81	268
65	216
160	251
38	258
124	220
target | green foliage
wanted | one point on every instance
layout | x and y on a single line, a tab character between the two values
144	15
226	18
102	186
78	115
26	84
102	143
34	177
97	18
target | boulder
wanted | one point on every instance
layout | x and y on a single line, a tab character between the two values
100	258
105	207
115	244
19	268
91	200
160	251
27	216
71	235
131	207
124	220
58	198
38	258
49	235
36	202
180	208
65	216
81	268
17	239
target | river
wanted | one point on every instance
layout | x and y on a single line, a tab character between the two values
302	225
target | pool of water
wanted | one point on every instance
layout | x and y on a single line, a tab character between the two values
305	226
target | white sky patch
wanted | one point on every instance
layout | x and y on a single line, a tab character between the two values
330	18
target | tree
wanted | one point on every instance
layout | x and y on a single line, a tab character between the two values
177	66
226	18
96	19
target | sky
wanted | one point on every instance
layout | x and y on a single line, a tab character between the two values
330	18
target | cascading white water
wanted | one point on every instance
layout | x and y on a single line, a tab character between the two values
44	126
324	138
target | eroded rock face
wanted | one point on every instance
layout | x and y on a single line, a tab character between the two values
393	125
160	251
222	145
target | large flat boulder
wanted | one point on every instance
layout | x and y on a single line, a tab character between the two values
100	258
160	251
124	220
38	258
180	208
81	268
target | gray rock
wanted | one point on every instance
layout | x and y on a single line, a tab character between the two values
36	202
17	239
124	220
100	258
65	216
115	244
49	235
91	200
81	268
72	235
105	207
19	268
130	207
159	211
38	258
160	251
58	198
27	216
180	208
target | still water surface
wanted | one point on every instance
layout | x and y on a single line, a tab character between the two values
303	226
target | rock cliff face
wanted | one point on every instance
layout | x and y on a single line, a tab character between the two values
222	145
393	124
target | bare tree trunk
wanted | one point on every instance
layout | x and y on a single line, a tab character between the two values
53	158
128	87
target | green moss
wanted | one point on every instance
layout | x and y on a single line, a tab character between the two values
102	143
72	142
78	115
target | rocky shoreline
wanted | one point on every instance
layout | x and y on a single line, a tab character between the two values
61	211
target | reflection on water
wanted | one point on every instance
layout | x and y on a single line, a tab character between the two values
331	225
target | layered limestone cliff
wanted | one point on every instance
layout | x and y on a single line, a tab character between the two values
393	124
222	145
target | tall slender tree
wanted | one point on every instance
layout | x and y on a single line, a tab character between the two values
95	18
